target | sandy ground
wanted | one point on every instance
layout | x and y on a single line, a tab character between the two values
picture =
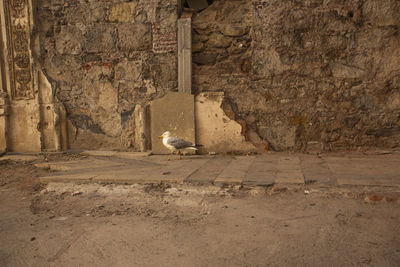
186	225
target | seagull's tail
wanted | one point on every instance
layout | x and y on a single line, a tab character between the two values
195	147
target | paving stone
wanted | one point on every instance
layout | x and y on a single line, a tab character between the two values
289	170
135	172
99	153
19	157
251	170
235	172
132	155
316	170
175	173
78	165
209	172
384	171
64	178
289	177
262	171
289	162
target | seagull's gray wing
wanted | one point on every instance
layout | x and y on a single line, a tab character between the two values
179	143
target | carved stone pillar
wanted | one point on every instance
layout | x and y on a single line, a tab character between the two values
23	115
17	23
33	116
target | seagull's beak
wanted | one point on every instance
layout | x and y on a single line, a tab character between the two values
161	137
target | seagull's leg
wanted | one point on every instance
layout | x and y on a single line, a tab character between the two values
180	155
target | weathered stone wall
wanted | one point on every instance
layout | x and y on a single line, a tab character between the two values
298	74
315	74
105	57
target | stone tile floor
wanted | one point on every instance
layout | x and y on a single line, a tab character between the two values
264	169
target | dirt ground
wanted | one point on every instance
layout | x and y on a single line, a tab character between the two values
190	225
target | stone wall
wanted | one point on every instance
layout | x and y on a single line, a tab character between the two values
103	58
298	74
315	74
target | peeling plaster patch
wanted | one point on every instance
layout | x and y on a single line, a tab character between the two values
214	129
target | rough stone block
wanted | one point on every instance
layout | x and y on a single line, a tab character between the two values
123	12
347	72
217	40
162	68
128	70
205	58
69	41
174	113
234	31
134	37
381	13
101	38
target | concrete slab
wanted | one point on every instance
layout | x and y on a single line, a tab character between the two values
377	171
289	177
289	170
132	155
289	163
211	169
262	171
235	171
19	157
65	178
99	153
175	113
92	164
174	173
316	170
228	180
134	171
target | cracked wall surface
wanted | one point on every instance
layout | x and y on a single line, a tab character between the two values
304	74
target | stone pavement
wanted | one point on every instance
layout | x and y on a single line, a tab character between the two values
265	169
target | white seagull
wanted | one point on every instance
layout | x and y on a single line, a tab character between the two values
174	143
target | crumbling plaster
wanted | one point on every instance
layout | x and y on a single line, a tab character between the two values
215	131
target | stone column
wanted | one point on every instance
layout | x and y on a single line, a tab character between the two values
185	53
